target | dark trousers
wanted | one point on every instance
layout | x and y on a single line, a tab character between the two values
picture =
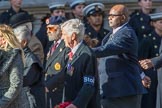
53	98
122	102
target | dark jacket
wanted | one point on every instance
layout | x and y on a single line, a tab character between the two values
12	94
42	36
54	79
148	49
5	16
121	65
140	22
33	78
81	82
96	35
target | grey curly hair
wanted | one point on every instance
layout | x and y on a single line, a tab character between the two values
74	26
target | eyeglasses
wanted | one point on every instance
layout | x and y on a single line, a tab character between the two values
114	15
52	28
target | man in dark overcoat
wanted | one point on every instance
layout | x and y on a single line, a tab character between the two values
81	76
56	61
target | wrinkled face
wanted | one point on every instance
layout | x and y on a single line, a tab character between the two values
16	3
53	32
115	18
3	43
78	10
95	19
145	4
58	12
158	25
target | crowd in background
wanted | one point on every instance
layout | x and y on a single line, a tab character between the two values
77	61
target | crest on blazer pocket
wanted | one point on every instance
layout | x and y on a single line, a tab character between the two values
57	66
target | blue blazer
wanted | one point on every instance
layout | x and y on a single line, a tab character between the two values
122	65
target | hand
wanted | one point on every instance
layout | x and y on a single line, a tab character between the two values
146	64
146	81
71	106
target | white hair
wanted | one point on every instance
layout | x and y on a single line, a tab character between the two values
28	24
22	33
74	26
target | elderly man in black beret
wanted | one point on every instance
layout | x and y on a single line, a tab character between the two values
57	8
56	61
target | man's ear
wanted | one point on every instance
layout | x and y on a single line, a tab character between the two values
74	36
123	17
24	42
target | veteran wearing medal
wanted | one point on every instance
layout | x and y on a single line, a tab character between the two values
94	14
81	77
56	8
55	62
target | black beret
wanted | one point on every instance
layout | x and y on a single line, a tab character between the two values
20	18
55	20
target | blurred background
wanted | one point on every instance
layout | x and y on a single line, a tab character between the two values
39	8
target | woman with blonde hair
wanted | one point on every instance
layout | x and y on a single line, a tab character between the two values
11	71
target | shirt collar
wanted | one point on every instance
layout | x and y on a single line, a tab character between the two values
59	41
115	30
76	47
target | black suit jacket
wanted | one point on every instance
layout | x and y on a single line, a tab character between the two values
81	83
55	67
122	65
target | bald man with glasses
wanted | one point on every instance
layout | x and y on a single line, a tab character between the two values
123	88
